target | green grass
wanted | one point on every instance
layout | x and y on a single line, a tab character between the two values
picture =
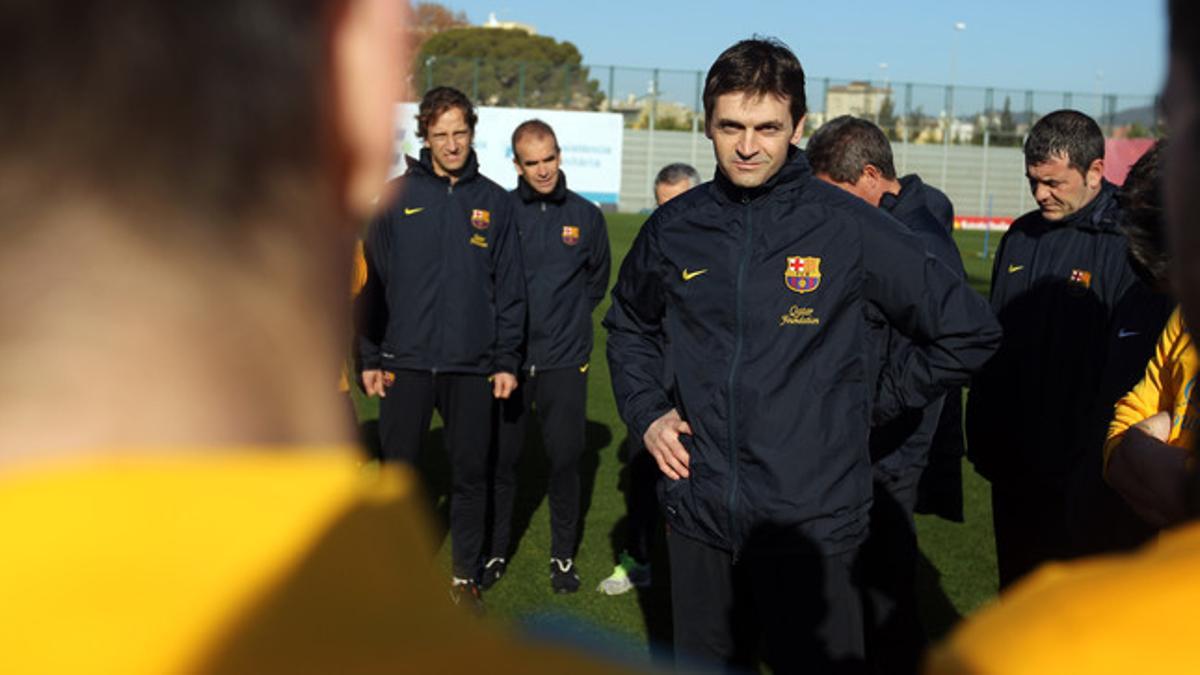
961	575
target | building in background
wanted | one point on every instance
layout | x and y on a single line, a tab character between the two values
860	99
493	22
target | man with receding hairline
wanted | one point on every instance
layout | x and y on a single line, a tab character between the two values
754	288
564	243
1060	274
856	156
673	180
1116	613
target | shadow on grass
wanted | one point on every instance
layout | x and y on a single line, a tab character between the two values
640	531
434	469
938	614
533	475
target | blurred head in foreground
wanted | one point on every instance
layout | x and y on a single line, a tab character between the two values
179	191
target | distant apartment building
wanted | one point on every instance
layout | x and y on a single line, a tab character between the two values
493	22
860	99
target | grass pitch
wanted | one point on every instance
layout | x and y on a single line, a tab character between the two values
960	574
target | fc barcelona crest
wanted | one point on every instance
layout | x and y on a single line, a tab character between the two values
570	235
480	219
802	275
1082	278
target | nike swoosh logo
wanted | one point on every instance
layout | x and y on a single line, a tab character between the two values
1015	268
688	276
1122	334
409	212
584	367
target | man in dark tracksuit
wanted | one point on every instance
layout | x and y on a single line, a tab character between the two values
755	287
1059	274
856	156
441	318
565	250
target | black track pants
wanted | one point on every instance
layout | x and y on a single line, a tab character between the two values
801	604
465	403
560	396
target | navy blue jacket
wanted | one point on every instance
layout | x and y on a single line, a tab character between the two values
903	444
1055	286
564	245
445	289
758	299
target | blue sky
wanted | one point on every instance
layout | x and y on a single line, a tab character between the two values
1054	45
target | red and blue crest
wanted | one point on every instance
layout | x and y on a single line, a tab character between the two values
570	235
480	219
802	274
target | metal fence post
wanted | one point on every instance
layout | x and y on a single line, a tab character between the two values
521	84
946	132
983	178
907	121
696	113
652	111
1024	182
475	81
611	76
566	76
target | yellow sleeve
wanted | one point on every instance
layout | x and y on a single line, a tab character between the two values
1147	396
358	278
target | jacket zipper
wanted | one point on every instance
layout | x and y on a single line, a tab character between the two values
449	193
747	242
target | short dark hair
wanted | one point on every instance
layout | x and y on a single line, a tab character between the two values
758	66
1142	215
119	103
1065	132
845	145
437	101
534	127
673	173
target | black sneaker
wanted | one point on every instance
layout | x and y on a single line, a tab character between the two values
563	578
492	571
465	593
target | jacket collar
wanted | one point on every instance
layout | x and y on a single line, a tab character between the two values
424	166
528	195
1098	214
794	172
910	195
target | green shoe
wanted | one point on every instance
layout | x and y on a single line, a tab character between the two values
626	575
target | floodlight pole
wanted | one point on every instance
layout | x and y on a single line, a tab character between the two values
959	27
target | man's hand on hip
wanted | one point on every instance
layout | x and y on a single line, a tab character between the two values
662	441
503	385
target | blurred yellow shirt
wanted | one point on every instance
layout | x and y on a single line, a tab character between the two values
268	560
1168	385
1114	614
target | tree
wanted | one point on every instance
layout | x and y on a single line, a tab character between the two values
916	123
1007	133
886	119
508	68
1137	130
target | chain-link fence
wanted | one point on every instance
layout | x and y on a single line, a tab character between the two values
964	139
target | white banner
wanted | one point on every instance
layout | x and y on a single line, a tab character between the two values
590	141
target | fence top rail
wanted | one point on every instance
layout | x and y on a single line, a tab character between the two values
811	78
